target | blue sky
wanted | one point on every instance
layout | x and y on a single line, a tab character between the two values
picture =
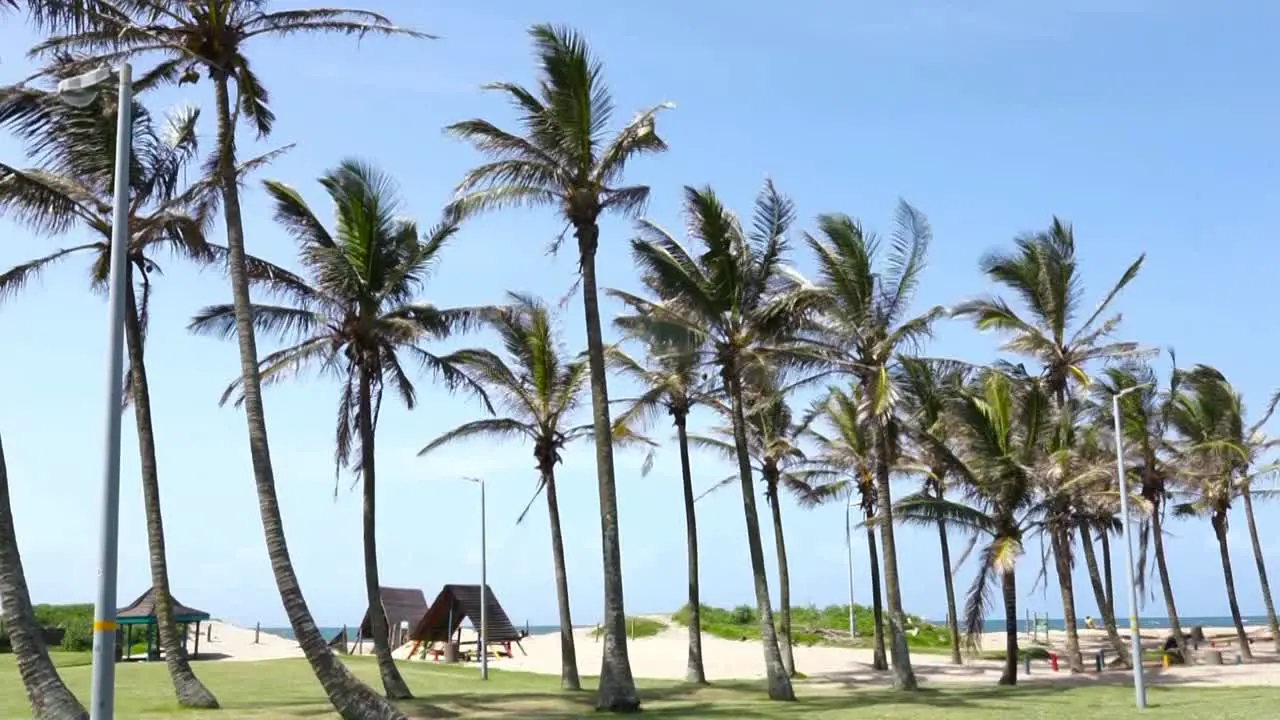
1144	122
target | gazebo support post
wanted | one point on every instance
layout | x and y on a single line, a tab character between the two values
196	654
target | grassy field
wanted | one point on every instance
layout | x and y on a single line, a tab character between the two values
286	689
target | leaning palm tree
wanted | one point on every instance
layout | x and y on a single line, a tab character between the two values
866	324
744	306
357	318
566	160
49	697
928	388
541	388
842	469
999	425
672	381
775	454
1043	272
210	37
72	189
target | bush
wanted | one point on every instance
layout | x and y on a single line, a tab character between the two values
78	636
810	625
637	627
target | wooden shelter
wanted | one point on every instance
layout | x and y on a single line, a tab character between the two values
143	612
456	603
404	608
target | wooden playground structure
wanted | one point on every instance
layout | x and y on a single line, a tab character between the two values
436	629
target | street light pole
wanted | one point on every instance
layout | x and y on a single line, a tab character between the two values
1135	640
848	546
484	587
80	91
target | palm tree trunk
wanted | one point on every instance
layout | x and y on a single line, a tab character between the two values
568	652
1061	543
1262	567
1105	608
695	672
1109	587
1009	590
953	623
878	660
190	691
1175	627
617	690
1220	530
351	698
904	678
776	674
392	683
49	697
784	581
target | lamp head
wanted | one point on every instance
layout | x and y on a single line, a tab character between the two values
80	91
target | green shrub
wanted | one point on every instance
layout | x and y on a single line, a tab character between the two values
79	635
637	627
811	625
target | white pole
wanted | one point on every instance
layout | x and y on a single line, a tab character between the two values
102	689
484	593
1135	640
848	545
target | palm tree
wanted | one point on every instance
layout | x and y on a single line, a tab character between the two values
210	37
1000	426
50	699
566	161
672	381
1043	272
774	454
541	388
1144	424
73	189
356	318
743	305
1215	453
928	387
865	326
844	467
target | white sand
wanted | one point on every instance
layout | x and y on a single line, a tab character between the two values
236	643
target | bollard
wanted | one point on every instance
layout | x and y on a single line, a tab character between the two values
1165	661
1053	661
1239	659
1098	660
257	630
1026	664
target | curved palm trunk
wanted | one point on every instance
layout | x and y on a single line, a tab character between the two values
1262	568
953	624
776	675
1105	608
1061	543
617	691
1108	585
1009	591
49	697
190	691
392	683
1219	523
1166	587
904	678
878	659
784	582
568	652
351	698
695	672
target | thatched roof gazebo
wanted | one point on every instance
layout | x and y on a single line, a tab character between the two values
143	612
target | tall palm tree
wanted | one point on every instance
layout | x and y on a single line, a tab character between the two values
72	189
355	317
540	388
210	37
1043	272
743	305
1144	424
672	381
842	468
1000	425
928	387
775	455
1215	451
49	697
566	160
866	324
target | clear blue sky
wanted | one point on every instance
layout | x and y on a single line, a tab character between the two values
1147	123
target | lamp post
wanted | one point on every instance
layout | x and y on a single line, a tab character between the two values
484	587
80	91
1135	640
848	546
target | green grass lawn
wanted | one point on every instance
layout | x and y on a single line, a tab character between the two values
286	689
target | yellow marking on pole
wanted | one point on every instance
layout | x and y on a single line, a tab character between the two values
104	626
